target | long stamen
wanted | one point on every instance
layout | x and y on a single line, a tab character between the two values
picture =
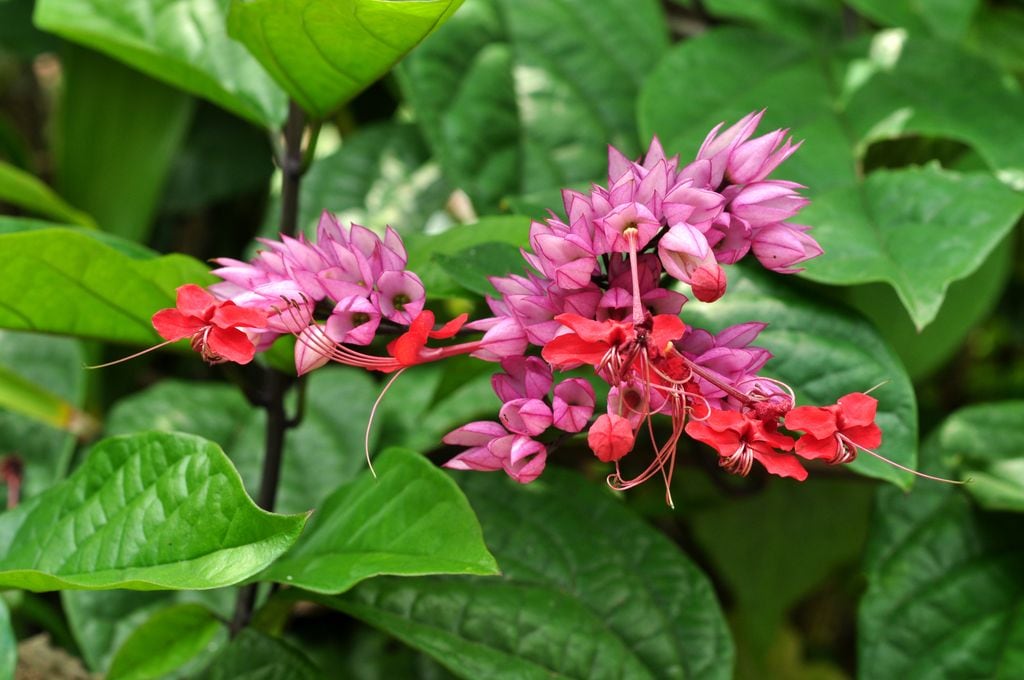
373	412
845	440
638	308
133	356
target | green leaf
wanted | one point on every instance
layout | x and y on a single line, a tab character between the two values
806	20
473	267
324	451
410	520
521	95
948	19
53	365
164	643
65	281
182	42
8	643
144	512
917	229
588	590
823	352
255	656
324	52
115	135
23	190
985	444
23	396
944	594
995	36
841	102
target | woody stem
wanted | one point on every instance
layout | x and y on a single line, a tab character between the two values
276	383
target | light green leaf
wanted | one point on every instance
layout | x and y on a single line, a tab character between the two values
255	656
324	52
115	135
522	95
944	596
823	352
150	511
985	444
182	42
21	189
410	520
64	281
8	643
167	641
595	593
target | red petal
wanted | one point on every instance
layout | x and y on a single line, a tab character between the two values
173	325
450	328
611	332
781	464
569	351
857	409
196	301
868	437
667	327
812	448
407	346
610	437
231	344
230	315
819	422
725	442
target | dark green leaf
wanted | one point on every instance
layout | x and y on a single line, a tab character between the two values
324	52
182	42
801	19
995	35
410	520
473	267
115	134
64	281
150	511
985	443
255	656
164	643
521	95
588	590
823	353
17	34
944	595
944	18
21	189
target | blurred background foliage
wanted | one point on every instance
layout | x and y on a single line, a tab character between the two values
144	128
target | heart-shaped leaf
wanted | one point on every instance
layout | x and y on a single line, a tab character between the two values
182	42
595	592
985	443
324	52
65	281
409	520
165	642
944	589
823	352
149	511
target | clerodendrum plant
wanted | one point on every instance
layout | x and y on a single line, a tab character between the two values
597	290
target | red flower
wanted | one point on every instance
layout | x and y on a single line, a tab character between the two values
410	348
740	440
214	325
833	433
590	340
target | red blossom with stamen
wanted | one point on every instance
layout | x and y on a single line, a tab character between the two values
740	440
830	430
213	325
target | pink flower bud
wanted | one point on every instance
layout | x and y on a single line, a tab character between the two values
526	416
767	202
610	437
781	246
573	404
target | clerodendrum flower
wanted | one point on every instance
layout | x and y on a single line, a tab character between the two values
599	291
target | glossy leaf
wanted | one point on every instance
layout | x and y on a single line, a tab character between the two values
985	444
8	643
944	590
410	520
617	600
324	52
164	643
823	352
91	289
145	512
520	95
182	42
23	190
255	656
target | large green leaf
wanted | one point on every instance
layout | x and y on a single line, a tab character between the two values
521	95
324	52
823	352
948	19
409	520
115	136
985	443
165	642
182	42
811	20
945	594
588	591
255	656
150	511
65	281
840	102
23	190
54	365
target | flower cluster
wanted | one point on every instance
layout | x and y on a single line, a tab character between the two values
600	290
